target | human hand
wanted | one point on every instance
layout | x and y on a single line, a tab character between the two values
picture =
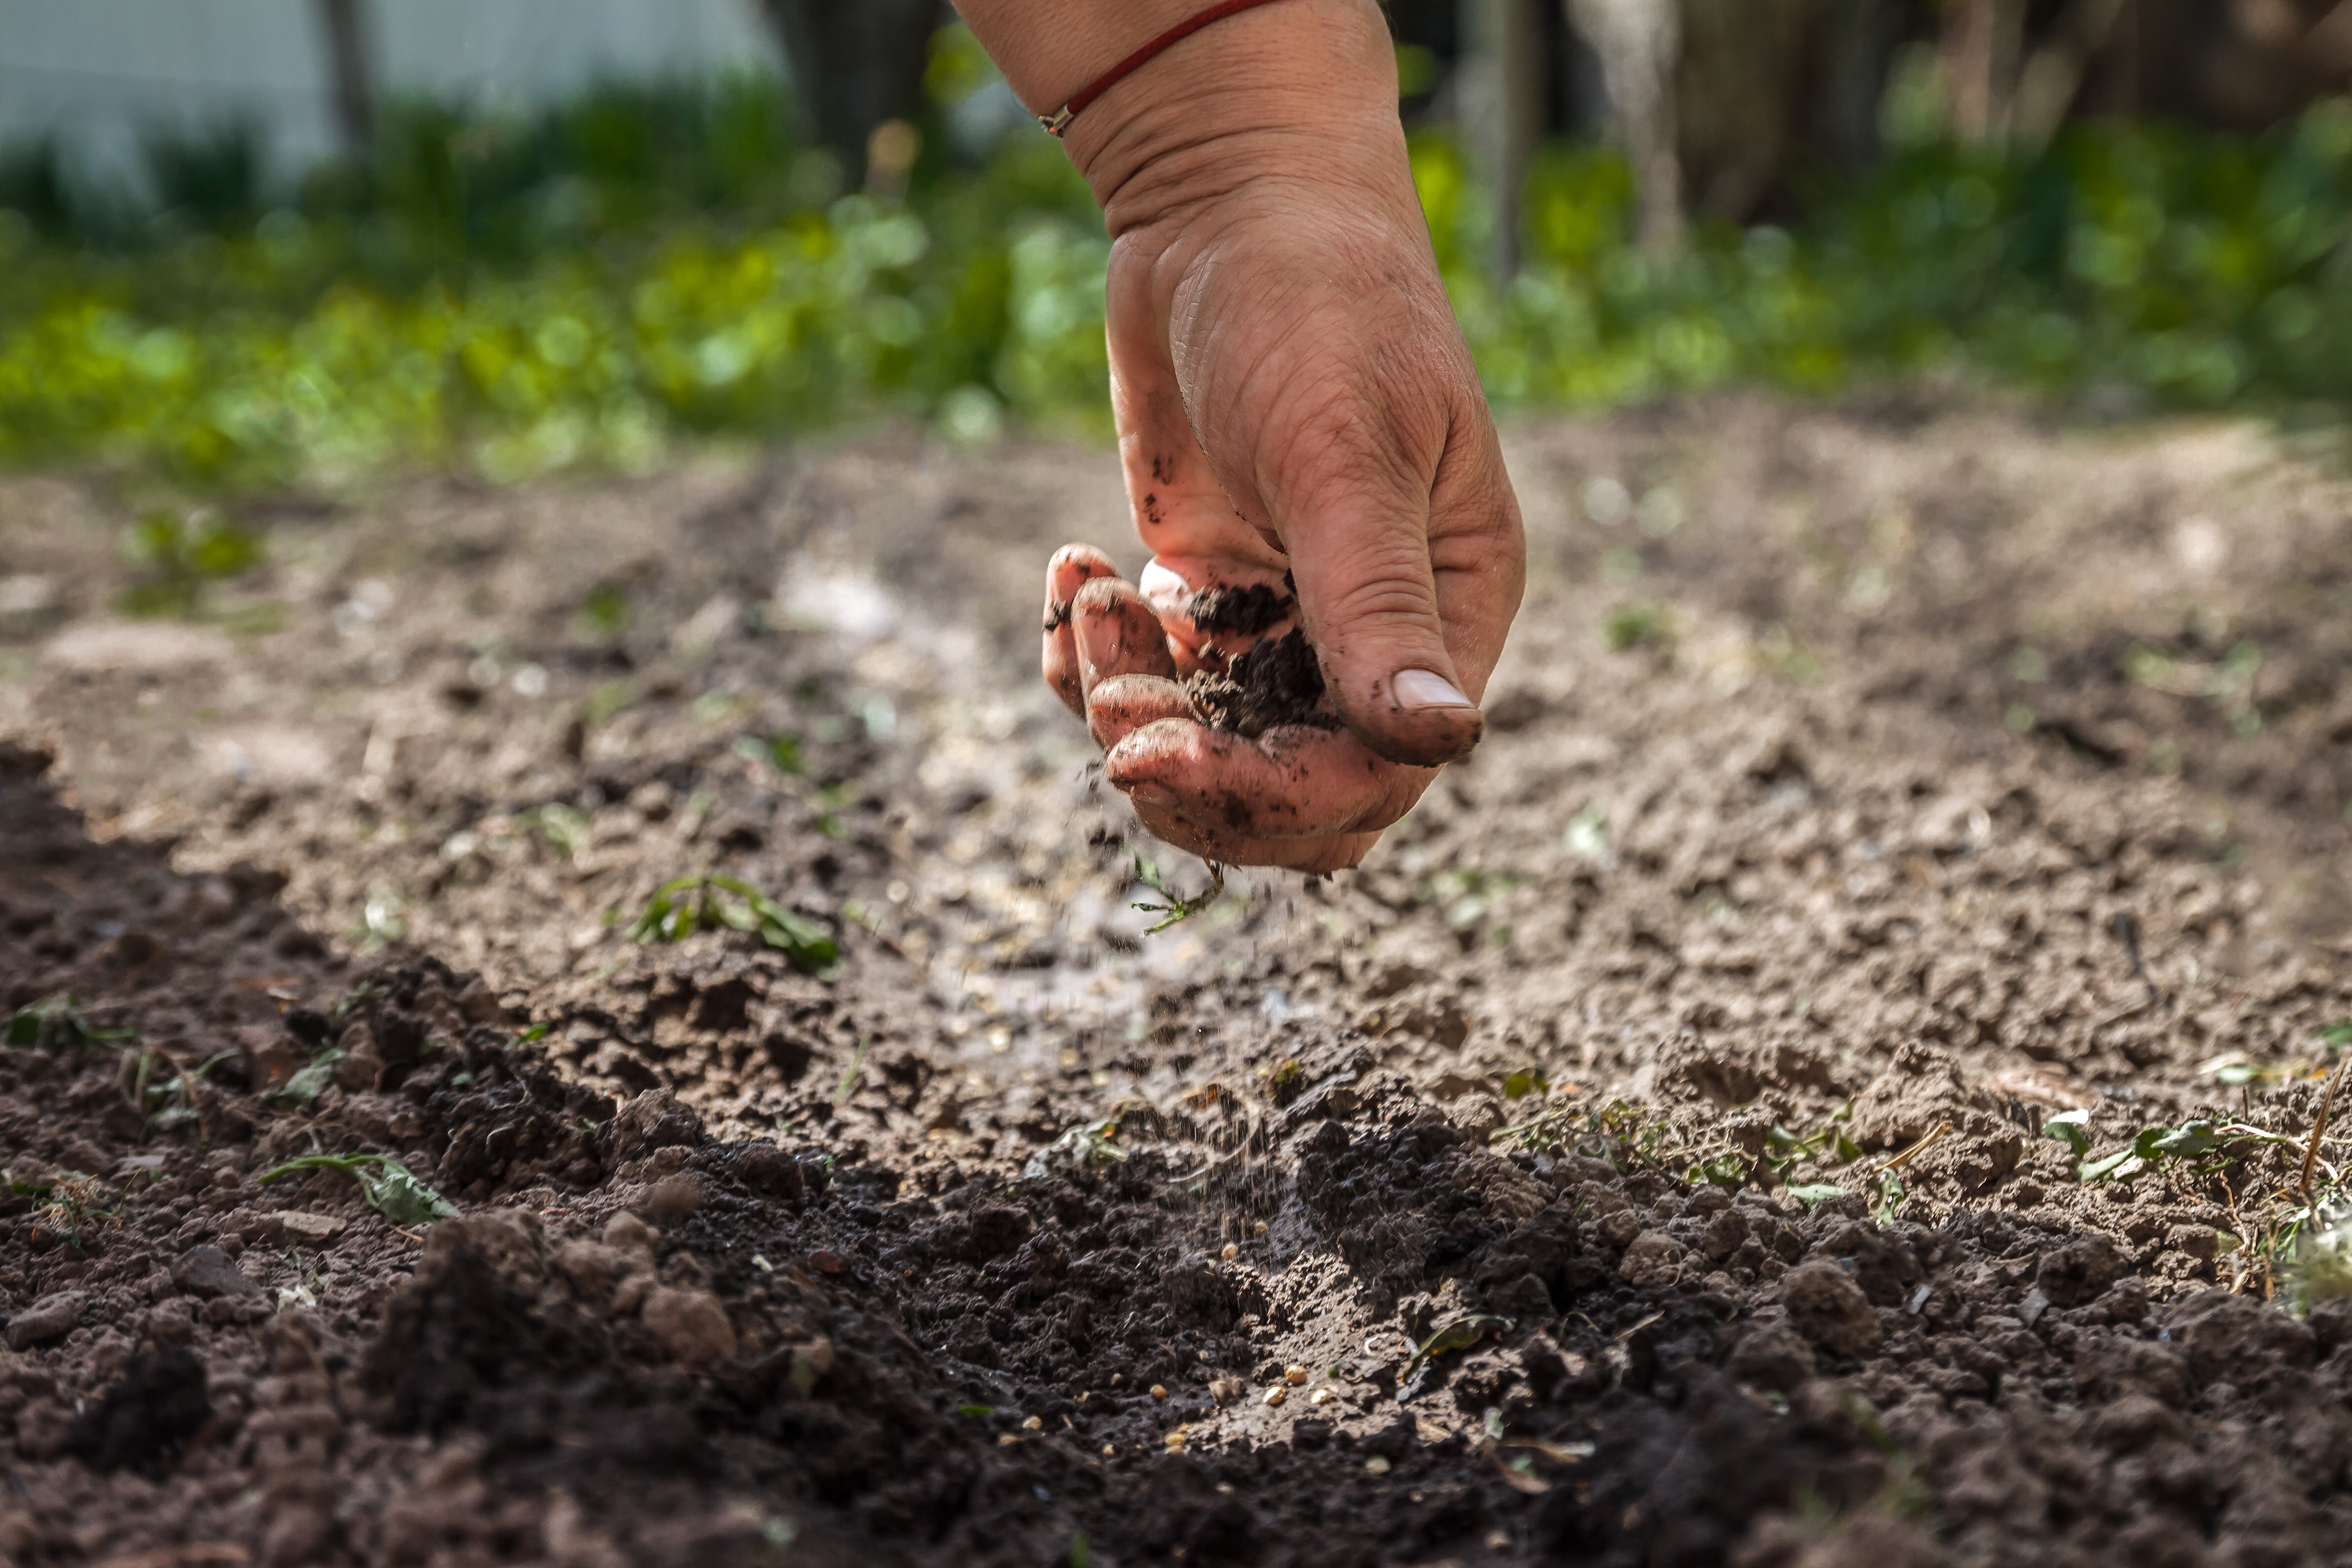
1294	403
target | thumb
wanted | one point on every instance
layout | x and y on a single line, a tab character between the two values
1368	595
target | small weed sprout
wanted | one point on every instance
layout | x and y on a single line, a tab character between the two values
1177	909
391	1188
708	901
179	557
2321	1267
58	1021
562	828
69	1204
1634	624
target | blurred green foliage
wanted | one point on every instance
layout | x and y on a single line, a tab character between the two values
509	293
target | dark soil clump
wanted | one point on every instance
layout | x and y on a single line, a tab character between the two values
1276	682
1240	612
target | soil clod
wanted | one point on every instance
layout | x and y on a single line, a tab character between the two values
1239	612
1277	682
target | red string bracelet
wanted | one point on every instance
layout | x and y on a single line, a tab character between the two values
1059	120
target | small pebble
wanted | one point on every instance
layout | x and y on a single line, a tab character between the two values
1376	1465
1108	1450
1231	1252
1321	1396
1159	1390
1293	1375
1080	1397
1277	1393
1034	1424
1006	1439
1258	1229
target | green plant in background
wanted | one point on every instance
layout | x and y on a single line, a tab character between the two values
708	901
512	291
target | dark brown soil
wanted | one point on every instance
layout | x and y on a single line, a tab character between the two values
1275	681
1012	1232
1240	611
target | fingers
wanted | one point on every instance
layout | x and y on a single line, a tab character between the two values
1071	568
1361	519
1117	633
1198	538
1122	704
1290	784
1335	852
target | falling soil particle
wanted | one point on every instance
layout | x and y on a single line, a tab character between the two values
1276	682
1239	612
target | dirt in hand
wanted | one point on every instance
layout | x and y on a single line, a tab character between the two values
1277	681
1648	1158
1240	611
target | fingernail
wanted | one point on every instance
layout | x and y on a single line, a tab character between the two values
1426	689
1151	795
1099	636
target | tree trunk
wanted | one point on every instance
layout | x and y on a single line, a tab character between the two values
1982	42
1638	43
856	65
1502	107
343	29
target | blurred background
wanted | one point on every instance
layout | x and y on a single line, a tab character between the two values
253	242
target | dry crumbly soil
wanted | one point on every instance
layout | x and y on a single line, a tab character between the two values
1949	770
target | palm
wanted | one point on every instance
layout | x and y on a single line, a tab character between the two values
1267	374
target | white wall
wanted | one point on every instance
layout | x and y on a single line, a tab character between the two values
98	73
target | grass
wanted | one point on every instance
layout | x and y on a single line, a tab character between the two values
391	1188
506	293
57	1021
708	901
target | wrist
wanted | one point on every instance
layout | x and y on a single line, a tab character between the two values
1303	88
1284	89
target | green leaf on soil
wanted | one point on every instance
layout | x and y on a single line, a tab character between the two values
607	700
564	828
58	1021
536	1032
2322	1265
685	905
1587	836
2108	1165
1458	1335
975	1411
390	1187
1635	625
2337	1036
1890	1197
1813	1194
178	556
310	1082
1526	1081
2071	1127
604	612
1081	1147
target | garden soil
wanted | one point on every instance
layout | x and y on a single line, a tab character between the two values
1645	1158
